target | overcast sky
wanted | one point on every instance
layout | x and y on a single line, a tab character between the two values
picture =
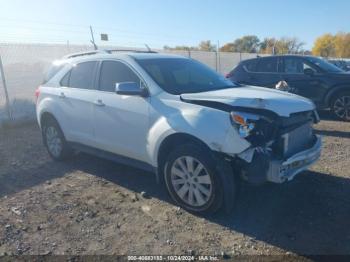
166	22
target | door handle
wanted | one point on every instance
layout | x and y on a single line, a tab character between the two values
99	103
62	95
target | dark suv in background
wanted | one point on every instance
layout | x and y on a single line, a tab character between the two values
325	84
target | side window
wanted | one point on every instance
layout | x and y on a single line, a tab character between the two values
293	65
250	66
310	66
113	72
267	65
82	76
53	70
65	80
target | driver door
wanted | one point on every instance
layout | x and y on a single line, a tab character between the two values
310	86
120	121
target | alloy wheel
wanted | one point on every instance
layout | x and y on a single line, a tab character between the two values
341	107
53	141
191	181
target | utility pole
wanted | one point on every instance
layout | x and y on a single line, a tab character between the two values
9	113
219	60
189	52
93	38
273	48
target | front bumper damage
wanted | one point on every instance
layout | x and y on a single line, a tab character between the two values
258	165
282	170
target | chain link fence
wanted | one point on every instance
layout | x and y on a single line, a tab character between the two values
24	66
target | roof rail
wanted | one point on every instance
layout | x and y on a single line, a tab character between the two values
106	51
110	51
94	52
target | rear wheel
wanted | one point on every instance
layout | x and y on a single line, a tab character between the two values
54	140
341	106
191	179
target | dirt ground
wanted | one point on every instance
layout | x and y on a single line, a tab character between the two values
92	206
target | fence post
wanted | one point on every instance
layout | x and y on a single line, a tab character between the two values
8	107
219	61
218	57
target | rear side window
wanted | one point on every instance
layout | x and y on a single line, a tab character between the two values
113	72
81	76
250	65
293	65
53	70
267	65
65	80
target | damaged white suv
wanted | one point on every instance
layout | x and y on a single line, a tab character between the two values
174	116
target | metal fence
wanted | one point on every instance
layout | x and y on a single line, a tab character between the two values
25	64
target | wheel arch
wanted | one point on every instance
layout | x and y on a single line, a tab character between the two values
45	116
169	143
334	91
224	167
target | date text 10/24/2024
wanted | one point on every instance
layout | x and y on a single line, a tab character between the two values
172	258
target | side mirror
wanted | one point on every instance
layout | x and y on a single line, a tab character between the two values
130	89
309	72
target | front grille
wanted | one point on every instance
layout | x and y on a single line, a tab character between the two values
294	134
294	120
297	140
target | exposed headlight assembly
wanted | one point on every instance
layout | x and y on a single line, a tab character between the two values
245	122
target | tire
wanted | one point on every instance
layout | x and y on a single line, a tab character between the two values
55	141
340	106
195	187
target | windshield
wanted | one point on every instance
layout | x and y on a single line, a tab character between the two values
328	67
179	75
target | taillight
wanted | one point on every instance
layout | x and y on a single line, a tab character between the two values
37	93
229	75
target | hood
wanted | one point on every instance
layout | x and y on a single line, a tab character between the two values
281	103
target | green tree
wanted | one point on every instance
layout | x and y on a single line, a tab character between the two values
245	44
207	46
267	45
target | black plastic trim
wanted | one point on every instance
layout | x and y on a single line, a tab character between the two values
113	157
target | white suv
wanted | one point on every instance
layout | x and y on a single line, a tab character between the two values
176	117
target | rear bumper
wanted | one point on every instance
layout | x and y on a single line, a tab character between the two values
282	170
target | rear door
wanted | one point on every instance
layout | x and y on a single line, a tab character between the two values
264	72
76	96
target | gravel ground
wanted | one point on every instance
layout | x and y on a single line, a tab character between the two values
92	206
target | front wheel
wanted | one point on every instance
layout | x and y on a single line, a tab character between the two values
192	181
341	106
